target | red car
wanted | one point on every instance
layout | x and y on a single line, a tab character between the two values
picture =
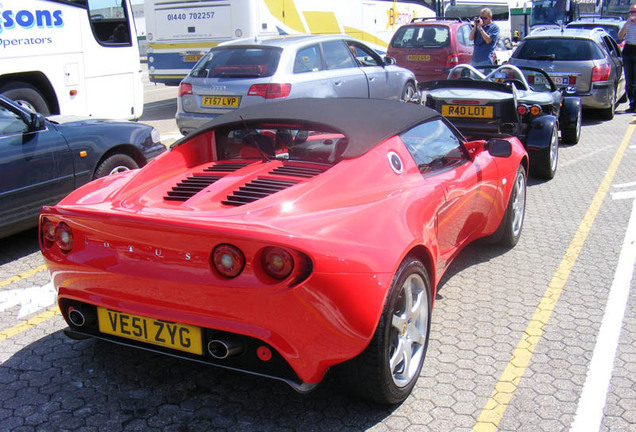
286	239
430	47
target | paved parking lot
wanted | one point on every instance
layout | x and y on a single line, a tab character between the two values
514	345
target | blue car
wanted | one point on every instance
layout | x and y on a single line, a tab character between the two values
43	159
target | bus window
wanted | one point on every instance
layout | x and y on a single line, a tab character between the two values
110	24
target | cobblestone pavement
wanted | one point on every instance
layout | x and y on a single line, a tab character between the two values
481	318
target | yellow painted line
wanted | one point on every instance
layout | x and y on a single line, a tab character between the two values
23	326
495	407
22	276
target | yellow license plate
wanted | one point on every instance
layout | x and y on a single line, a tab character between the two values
221	101
414	57
191	58
473	111
177	336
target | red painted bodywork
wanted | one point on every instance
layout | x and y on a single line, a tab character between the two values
137	253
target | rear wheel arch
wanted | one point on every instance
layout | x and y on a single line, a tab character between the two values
424	255
34	79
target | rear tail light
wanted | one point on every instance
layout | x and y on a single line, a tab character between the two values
228	260
270	91
277	262
522	110
601	73
64	237
530	79
48	233
452	60
184	89
535	110
60	234
572	80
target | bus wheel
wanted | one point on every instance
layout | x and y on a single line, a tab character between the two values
27	96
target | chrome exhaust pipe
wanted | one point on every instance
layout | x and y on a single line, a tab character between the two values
223	348
76	317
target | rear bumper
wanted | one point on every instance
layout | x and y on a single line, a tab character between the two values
189	122
599	97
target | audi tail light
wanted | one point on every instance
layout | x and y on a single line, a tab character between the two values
184	89
270	91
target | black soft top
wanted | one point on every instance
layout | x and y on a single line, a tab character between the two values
365	122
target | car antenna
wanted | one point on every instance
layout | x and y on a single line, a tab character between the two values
254	142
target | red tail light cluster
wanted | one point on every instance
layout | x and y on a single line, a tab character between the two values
228	260
452	60
271	262
270	91
185	89
601	73
60	235
533	110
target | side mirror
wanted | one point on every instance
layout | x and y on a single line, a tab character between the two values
37	122
474	147
389	61
499	147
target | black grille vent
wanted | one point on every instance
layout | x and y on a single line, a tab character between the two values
298	171
189	187
225	167
257	189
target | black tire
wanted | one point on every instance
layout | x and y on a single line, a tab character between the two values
382	373
409	92
544	164
511	225
114	164
573	134
27	96
608	113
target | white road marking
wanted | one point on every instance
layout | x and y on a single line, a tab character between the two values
30	299
589	413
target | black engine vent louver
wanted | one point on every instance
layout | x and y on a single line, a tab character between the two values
298	171
189	187
257	189
225	167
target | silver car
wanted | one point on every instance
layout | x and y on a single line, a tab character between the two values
250	72
588	63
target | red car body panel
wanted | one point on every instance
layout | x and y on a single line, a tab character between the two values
348	229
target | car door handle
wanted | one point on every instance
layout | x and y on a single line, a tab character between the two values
338	83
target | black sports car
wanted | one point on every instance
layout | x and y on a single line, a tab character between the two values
42	160
509	100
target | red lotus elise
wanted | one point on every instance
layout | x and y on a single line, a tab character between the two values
286	239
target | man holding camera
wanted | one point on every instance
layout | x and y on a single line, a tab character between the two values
485	34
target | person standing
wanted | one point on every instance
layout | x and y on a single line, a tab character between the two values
485	34
628	34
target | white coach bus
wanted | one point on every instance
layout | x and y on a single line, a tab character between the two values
179	32
71	57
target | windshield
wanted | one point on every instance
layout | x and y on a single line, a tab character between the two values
547	12
471	10
562	49
430	36
238	62
286	143
611	29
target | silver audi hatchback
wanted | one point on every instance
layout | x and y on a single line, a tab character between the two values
248	72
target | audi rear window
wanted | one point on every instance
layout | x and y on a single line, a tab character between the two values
558	49
238	62
430	36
